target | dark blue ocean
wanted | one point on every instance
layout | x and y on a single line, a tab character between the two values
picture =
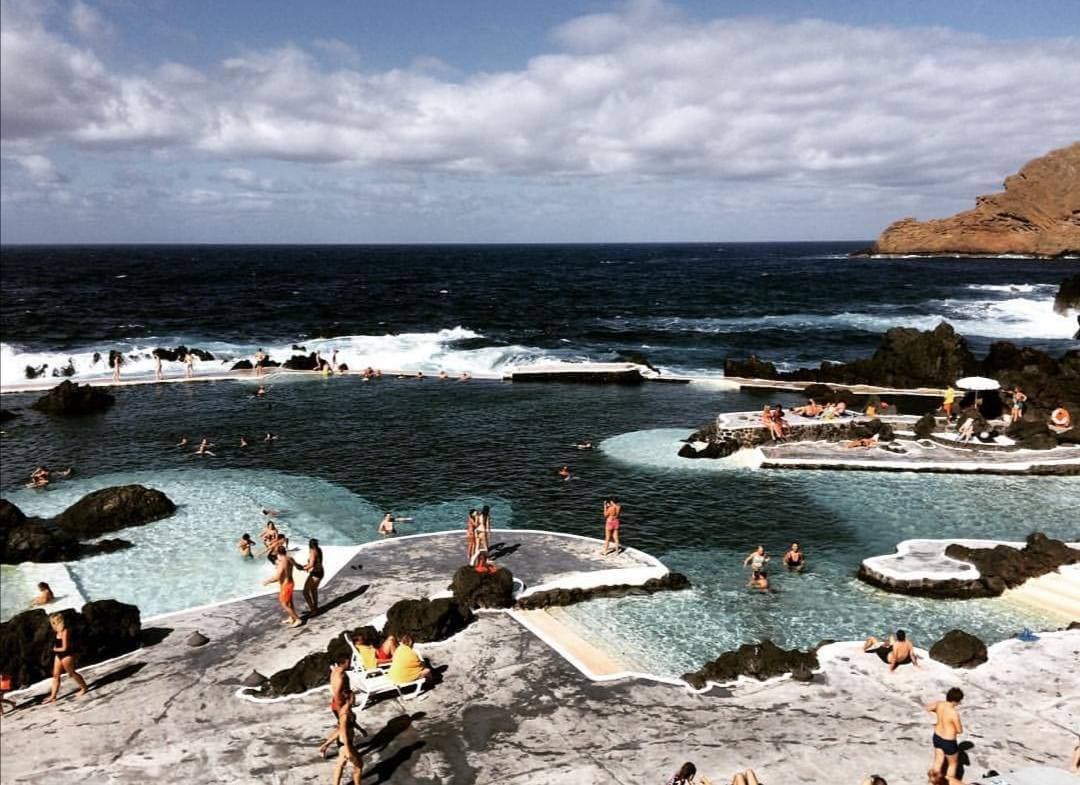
348	450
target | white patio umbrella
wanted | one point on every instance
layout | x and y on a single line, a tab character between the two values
977	383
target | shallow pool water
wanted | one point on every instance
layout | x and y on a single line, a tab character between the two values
190	558
852	514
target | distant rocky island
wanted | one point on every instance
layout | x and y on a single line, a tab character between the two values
1038	214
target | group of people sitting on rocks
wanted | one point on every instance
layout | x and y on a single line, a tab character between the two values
772	417
830	411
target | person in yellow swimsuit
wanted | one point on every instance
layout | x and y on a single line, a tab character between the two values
406	666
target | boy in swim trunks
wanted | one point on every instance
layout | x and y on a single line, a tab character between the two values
339	693
946	729
345	735
283	576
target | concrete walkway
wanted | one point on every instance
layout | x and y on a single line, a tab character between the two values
509	709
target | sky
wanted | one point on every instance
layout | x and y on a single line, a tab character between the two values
255	121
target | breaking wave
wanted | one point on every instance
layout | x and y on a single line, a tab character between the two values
454	350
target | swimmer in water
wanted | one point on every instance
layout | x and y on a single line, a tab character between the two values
261	392
271	513
443	375
465	376
39	478
182	442
243	442
270	437
584	445
245	546
564	472
759	580
386	525
204	448
795	559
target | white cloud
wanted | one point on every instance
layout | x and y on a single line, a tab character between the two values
89	24
39	169
631	98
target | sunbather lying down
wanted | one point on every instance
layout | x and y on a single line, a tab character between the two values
868	441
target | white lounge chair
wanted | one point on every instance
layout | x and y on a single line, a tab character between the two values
367	683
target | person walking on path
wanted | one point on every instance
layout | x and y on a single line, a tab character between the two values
158	375
189	365
612	524
283	576
340	691
346	737
65	653
947	727
948	402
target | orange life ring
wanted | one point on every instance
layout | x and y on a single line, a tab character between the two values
1060	417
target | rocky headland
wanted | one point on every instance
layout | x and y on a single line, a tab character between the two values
1038	214
60	538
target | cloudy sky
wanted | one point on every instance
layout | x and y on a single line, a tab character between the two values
504	120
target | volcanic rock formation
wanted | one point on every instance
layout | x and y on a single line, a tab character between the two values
68	398
54	539
104	629
762	661
1038	214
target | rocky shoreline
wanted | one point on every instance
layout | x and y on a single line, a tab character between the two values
993	570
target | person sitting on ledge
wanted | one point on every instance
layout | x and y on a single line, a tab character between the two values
966	430
44	596
685	776
406	665
895	650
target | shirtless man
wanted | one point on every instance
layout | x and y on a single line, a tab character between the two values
283	576
204	448
245	546
386	525
158	375
339	694
896	650
946	728
346	736
260	358
189	365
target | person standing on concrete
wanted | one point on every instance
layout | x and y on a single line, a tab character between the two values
947	728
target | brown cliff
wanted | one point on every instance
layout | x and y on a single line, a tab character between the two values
1038	214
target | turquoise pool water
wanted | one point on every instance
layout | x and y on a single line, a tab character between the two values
190	558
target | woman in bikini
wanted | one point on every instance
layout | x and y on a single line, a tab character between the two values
470	534
65	654
795	559
612	511
315	572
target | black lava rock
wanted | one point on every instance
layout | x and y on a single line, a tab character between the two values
426	620
474	589
104	629
762	661
111	509
1068	294
69	398
924	426
672	581
7	414
750	369
959	649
